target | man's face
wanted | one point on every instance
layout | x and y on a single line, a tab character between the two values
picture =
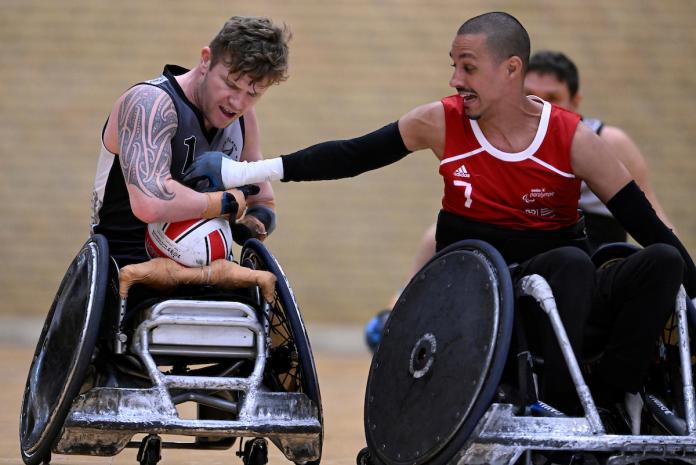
224	96
478	76
547	87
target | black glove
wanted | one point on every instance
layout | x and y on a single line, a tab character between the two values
241	232
249	189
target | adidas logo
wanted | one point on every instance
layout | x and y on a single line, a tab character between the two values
461	172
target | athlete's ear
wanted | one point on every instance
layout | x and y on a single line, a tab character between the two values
206	55
514	66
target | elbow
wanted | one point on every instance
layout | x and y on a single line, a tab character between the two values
147	211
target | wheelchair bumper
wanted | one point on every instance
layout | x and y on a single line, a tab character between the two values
103	421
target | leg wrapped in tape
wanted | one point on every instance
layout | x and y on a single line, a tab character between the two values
165	274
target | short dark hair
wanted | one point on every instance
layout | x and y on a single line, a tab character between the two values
505	35
253	46
558	65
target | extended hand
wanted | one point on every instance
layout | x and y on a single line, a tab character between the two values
214	171
205	173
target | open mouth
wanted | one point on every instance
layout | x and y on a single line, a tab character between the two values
468	97
228	112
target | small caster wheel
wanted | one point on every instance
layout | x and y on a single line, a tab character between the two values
149	451
255	452
363	457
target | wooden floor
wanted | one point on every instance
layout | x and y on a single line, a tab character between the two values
342	378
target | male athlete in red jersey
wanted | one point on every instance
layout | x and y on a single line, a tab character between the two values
531	189
520	197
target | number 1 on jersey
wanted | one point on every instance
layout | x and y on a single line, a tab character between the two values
190	144
467	191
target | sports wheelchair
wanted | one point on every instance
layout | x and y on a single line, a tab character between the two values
436	393
103	372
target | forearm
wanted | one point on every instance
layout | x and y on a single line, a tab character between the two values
633	210
182	204
652	198
345	158
328	160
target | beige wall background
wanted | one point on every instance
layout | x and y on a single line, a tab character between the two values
356	65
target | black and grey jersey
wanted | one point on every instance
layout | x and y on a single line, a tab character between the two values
111	211
589	202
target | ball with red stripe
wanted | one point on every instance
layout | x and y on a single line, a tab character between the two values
191	242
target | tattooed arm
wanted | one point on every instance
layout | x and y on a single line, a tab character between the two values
146	122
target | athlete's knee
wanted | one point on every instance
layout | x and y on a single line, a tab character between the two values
572	261
571	275
663	263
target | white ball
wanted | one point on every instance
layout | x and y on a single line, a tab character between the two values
191	243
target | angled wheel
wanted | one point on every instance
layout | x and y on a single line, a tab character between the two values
64	350
441	358
290	366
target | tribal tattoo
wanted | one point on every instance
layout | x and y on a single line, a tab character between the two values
147	122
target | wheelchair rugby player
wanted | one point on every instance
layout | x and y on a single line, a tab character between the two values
128	340
512	166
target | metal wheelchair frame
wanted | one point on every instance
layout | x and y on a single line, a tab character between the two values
103	418
502	437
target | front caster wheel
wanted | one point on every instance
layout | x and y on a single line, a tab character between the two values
255	452
149	451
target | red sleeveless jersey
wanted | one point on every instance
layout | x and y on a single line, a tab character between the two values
532	189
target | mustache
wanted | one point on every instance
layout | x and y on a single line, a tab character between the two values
466	89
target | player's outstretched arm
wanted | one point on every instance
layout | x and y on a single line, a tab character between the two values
419	129
147	121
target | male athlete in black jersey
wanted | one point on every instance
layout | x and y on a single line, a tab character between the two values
158	127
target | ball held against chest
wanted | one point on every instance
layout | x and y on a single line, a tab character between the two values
193	243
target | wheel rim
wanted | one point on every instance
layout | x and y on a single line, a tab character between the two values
294	361
435	374
65	347
291	365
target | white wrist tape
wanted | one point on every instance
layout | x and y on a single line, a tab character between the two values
238	173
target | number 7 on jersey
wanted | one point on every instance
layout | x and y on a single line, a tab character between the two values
467	191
